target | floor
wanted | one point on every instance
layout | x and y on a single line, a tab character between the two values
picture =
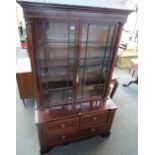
124	134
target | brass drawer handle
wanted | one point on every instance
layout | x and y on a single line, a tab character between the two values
63	137
93	130
77	78
63	125
94	118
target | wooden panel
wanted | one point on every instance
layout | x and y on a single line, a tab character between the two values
30	38
61	138
57	112
62	125
65	137
94	118
72	15
92	130
25	85
59	124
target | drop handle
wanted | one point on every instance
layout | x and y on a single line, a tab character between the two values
63	125
94	119
63	137
93	130
77	78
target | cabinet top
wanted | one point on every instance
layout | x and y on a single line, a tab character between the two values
117	5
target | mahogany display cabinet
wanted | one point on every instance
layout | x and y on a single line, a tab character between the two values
72	47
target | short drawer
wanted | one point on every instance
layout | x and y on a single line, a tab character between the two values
61	138
92	130
94	118
62	125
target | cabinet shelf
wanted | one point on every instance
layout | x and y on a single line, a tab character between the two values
41	42
62	63
48	91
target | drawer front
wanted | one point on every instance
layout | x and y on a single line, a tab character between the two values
61	138
62	125
94	118
92	130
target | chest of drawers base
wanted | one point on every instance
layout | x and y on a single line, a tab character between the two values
63	130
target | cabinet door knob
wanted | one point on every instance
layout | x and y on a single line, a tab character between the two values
63	125
79	113
63	137
94	118
77	78
93	130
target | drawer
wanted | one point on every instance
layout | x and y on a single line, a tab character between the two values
61	138
92	130
94	118
62	125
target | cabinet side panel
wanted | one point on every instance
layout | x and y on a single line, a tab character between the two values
30	39
25	85
42	138
110	121
116	40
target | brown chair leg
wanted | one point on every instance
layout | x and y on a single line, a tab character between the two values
114	88
135	81
24	101
133	73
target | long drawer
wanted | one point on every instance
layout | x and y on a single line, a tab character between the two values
94	118
92	130
62	125
62	138
65	137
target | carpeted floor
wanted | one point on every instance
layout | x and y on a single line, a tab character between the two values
124	134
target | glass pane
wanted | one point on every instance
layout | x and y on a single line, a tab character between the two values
56	32
95	53
97	34
55	59
55	96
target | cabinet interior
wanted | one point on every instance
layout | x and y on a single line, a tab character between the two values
72	66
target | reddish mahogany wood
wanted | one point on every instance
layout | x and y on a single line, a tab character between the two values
43	116
77	125
93	119
92	130
31	49
63	138
64	122
62	125
24	81
83	15
113	56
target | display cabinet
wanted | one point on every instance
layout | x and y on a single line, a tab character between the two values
72	48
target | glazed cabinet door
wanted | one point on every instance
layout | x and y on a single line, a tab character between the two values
55	57
96	48
73	60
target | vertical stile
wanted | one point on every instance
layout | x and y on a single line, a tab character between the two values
104	59
85	58
111	49
46	59
68	60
